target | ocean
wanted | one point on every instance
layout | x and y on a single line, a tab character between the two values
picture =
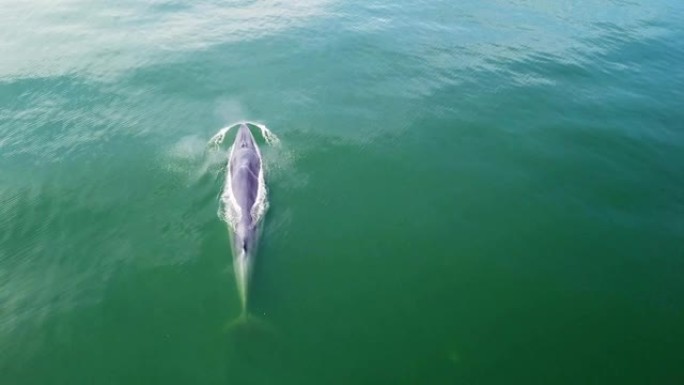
474	192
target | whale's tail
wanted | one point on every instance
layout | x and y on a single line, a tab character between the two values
252	345
249	324
247	332
246	323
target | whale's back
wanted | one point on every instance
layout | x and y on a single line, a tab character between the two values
244	174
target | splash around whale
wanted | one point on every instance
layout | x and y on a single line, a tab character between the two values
244	199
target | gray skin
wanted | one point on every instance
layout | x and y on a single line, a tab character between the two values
244	170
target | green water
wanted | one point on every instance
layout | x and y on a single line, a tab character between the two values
464	193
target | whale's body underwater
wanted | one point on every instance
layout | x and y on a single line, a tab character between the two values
244	196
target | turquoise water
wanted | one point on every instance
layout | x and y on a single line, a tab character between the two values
464	193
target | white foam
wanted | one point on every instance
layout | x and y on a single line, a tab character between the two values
229	211
267	134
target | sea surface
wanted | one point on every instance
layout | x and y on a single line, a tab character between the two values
464	192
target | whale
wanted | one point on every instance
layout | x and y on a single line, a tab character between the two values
245	195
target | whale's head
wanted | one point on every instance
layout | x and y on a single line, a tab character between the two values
244	138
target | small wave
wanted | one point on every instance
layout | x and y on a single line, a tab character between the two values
267	134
